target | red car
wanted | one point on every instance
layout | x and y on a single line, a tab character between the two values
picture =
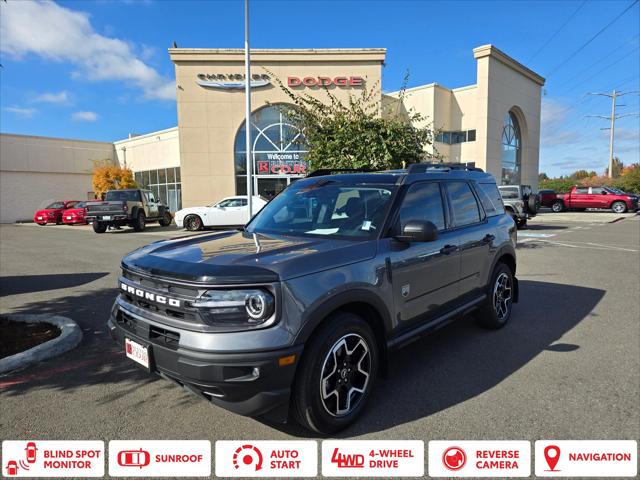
76	214
53	213
581	198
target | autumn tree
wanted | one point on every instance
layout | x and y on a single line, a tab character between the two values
358	132
109	176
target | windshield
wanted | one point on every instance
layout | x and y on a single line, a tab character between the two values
326	209
55	205
80	205
509	192
123	195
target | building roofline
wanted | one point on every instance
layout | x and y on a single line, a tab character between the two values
491	51
270	54
62	139
145	135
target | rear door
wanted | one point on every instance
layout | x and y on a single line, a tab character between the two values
473	233
424	275
580	198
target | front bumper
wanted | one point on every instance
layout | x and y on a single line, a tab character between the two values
228	380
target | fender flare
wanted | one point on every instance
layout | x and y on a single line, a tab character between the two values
358	295
506	250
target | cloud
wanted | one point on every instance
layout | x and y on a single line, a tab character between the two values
84	116
61	34
22	112
553	114
59	98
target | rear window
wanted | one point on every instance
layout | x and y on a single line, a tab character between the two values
490	199
122	196
510	192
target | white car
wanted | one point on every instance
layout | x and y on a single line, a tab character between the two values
230	211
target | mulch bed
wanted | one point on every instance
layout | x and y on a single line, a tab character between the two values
16	337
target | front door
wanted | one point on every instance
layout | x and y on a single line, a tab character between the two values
424	275
152	203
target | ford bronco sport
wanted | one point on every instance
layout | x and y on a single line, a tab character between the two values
297	312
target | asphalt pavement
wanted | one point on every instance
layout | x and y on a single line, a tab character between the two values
567	366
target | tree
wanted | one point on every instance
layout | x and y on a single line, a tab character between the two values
358	133
580	174
618	166
542	176
107	176
629	181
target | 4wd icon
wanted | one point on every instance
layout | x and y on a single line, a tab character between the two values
372	458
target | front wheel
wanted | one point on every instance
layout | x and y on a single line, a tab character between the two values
42	224
193	223
99	227
336	374
619	207
496	310
557	207
166	220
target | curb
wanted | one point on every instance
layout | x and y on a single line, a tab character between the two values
70	336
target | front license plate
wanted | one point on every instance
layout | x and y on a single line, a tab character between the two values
68	218
39	218
137	352
107	217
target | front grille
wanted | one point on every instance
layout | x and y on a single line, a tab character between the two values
156	335
165	338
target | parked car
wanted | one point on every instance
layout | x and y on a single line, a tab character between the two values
228	212
581	198
76	214
131	207
547	197
53	213
301	308
520	203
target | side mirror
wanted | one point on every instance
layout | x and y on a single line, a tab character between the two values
604	192
419	231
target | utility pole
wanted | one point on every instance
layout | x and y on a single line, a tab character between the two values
247	122
613	96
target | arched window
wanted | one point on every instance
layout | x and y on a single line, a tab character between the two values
278	151
511	150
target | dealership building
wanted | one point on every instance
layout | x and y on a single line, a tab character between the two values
495	123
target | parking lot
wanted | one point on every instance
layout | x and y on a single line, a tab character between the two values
567	366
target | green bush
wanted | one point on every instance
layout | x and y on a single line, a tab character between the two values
629	181
560	185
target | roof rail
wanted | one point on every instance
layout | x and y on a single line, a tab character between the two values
328	171
423	167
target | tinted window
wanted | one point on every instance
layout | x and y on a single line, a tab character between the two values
490	199
471	136
597	190
55	205
123	195
463	203
510	192
422	202
582	191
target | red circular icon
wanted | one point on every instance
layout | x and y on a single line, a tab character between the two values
454	458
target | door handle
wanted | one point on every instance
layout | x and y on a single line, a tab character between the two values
488	239
447	249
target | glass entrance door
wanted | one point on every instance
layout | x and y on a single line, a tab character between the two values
269	187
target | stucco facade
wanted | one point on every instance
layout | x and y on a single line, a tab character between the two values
35	171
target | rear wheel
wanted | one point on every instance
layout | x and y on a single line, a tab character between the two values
166	220
140	222
336	374
193	223
99	227
496	310
557	207
619	207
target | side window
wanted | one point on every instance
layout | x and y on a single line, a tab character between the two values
490	199
597	190
243	202
463	203
151	198
224	203
423	201
582	191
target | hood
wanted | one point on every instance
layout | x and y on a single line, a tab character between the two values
235	257
47	210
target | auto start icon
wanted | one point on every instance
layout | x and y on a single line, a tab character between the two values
248	456
454	458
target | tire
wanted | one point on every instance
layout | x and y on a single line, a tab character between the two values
533	203
619	207
41	224
496	310
193	223
59	220
166	220
557	206
140	222
99	227
321	406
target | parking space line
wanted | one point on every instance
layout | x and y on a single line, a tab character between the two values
588	245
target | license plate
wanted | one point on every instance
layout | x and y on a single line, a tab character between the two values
107	217
68	218
39	218
137	352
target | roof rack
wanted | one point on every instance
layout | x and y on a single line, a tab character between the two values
329	171
423	167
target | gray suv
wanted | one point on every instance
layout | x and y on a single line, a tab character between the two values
295	314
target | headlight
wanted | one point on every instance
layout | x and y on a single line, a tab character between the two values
236	307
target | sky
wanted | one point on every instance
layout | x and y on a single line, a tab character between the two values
99	70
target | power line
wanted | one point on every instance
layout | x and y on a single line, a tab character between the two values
557	31
584	45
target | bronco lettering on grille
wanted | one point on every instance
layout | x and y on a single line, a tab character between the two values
172	302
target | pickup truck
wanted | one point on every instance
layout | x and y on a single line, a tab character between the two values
131	207
581	198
